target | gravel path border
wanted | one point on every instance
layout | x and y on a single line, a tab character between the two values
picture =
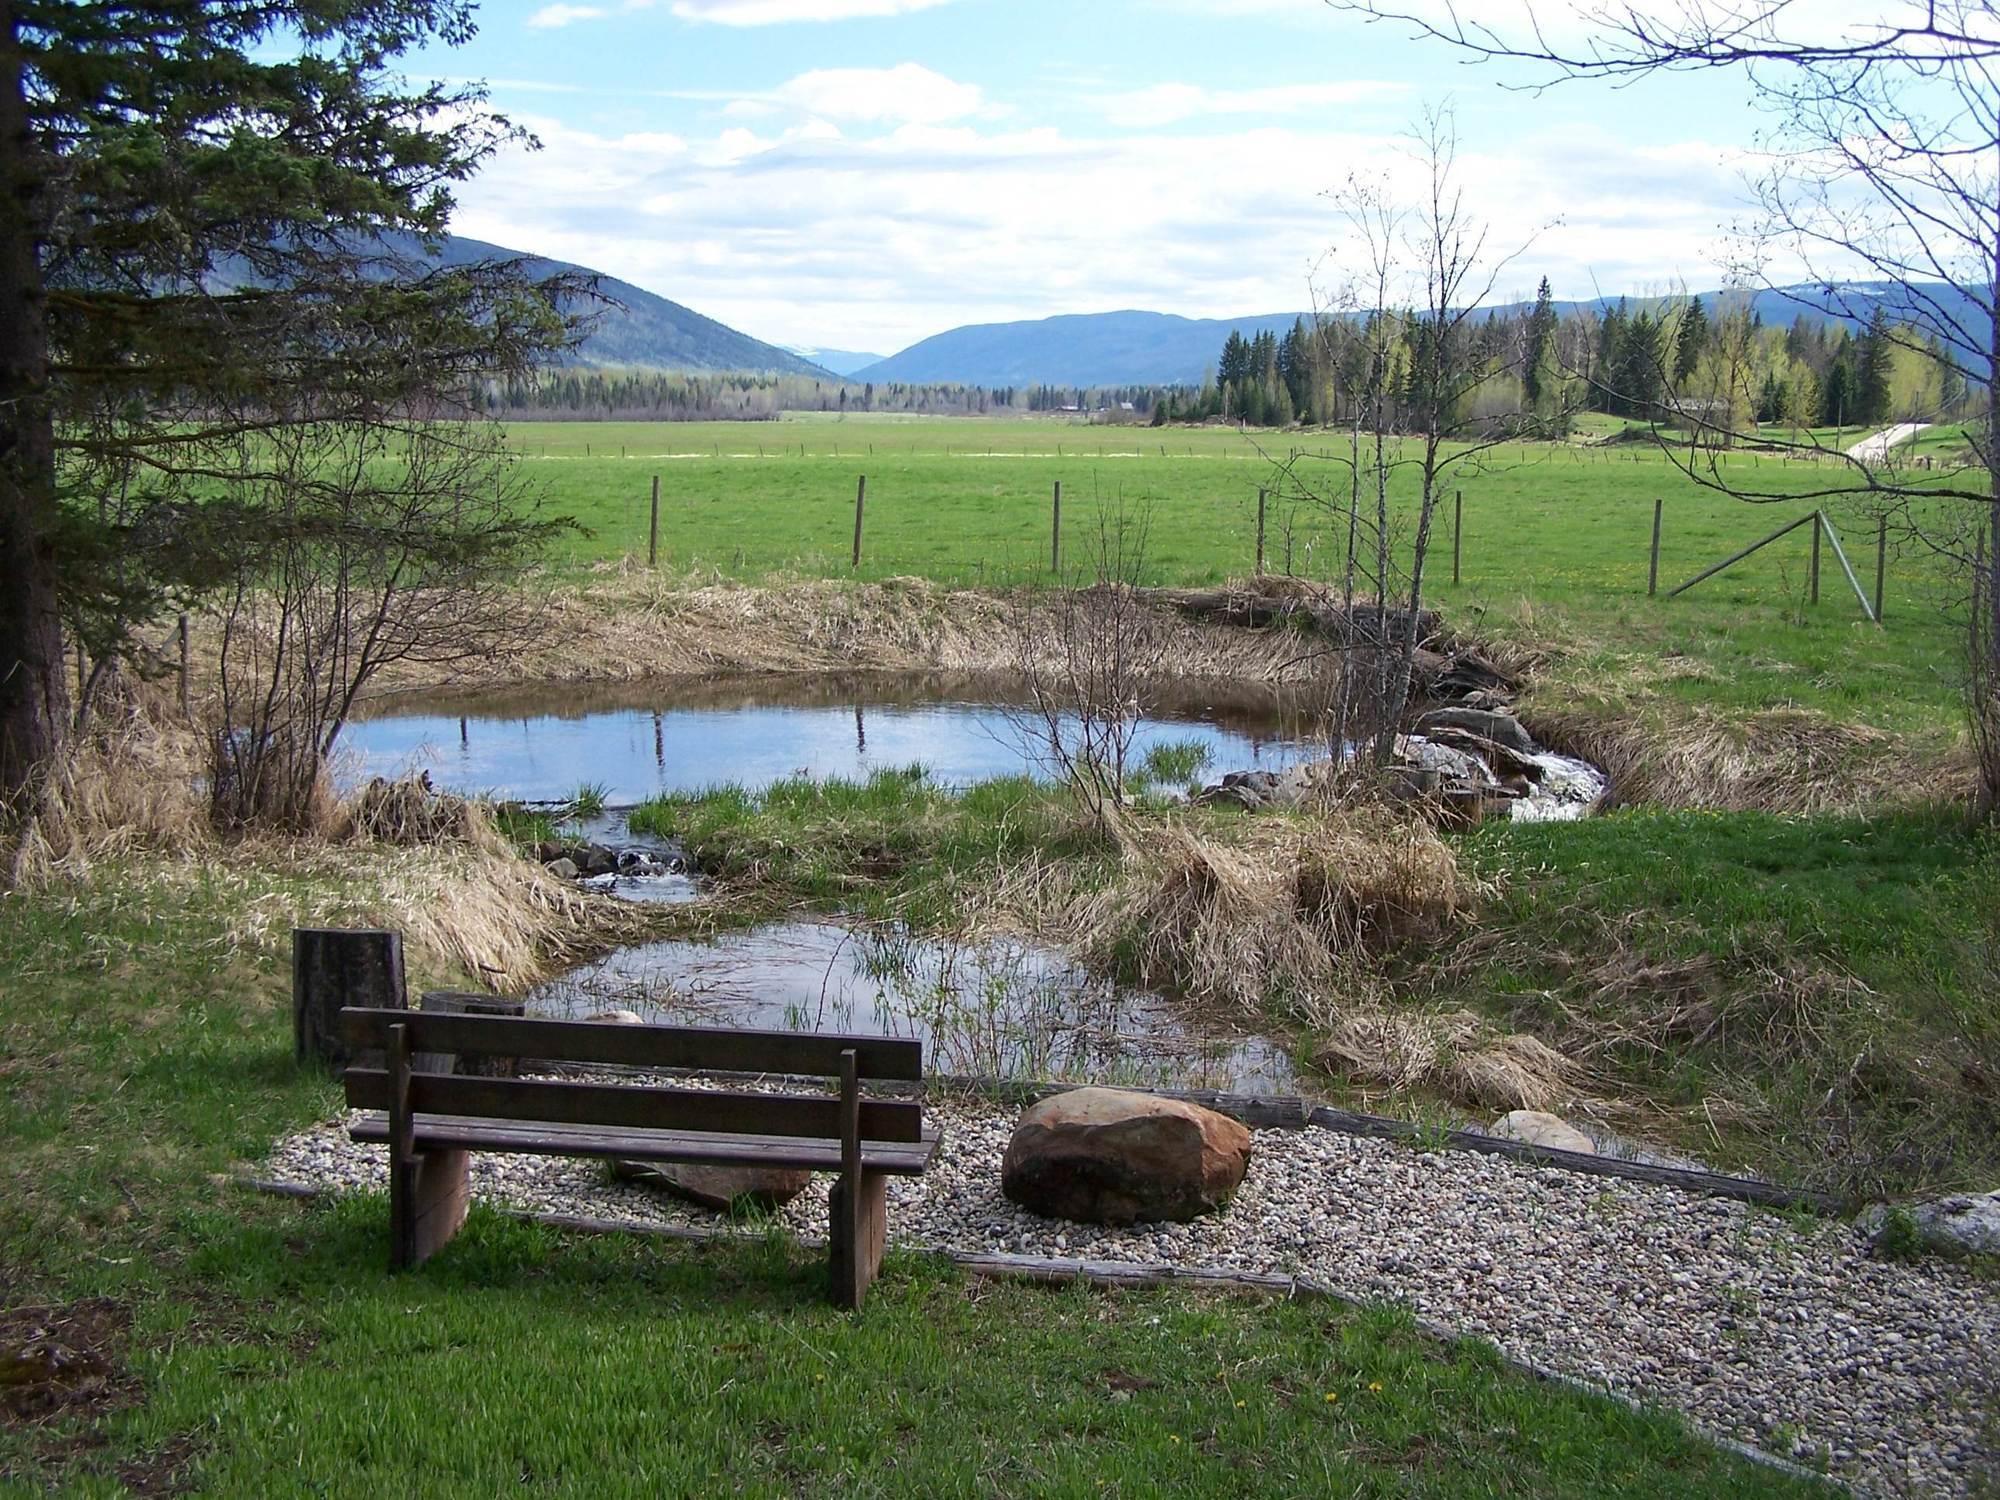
1784	1334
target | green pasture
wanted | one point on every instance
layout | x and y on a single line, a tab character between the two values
1553	544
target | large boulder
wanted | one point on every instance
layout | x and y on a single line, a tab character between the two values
719	1188
1535	1128
1109	1156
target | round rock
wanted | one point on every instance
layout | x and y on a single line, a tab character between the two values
1535	1128
1109	1156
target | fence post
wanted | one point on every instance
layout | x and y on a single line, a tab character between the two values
653	528
1653	567
1812	575
183	630
1457	530
860	496
1260	533
1881	561
1055	531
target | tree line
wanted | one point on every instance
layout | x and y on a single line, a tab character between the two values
1670	359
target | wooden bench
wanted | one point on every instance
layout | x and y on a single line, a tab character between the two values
431	1118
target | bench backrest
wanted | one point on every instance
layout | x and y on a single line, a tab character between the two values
399	1034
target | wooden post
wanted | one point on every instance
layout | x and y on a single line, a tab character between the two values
1055	531
653	530
1653	567
402	1149
860	498
1881	561
1812	573
857	1209
332	967
183	631
1457	529
1260	533
428	1190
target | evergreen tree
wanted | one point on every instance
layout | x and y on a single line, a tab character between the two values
185	255
1538	351
1690	342
1639	374
1874	368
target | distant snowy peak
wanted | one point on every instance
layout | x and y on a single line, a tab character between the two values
840	361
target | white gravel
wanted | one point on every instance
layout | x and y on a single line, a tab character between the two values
1785	1334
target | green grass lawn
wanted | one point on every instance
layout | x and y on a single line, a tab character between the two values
1553	553
258	1346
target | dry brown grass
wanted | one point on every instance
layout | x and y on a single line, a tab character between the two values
1256	913
1780	760
626	624
1455	1053
394	855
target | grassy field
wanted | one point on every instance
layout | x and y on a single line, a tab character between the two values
1553	554
219	1342
1805	994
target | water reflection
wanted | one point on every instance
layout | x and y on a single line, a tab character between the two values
638	741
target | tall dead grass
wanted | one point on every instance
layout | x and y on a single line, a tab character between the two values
1779	760
396	854
1293	921
1290	907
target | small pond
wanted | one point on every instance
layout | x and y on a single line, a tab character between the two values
994	1007
638	741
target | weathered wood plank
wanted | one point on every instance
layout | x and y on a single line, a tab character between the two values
459	1002
1714	1184
747	1051
554	1101
436	1132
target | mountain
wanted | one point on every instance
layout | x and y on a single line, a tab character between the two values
1149	348
1081	349
637	330
644	331
840	361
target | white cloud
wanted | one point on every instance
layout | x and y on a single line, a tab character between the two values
1168	103
906	92
550	17
877	238
777	12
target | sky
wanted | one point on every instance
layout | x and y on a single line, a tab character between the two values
860	174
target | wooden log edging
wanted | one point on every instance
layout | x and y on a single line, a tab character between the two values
1139	1276
1288	1112
1291	1112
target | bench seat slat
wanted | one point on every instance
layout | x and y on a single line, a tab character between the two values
728	1050
563	1102
475	1133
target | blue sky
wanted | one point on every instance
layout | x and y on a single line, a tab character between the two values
862	173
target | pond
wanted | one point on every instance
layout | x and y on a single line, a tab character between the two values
638	741
986	1007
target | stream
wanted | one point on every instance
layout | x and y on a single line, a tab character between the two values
988	1007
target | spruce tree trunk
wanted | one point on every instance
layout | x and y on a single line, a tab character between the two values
34	695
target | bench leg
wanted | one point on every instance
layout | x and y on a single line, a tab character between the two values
860	1222
428	1191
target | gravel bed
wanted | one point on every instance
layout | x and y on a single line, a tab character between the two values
1784	1334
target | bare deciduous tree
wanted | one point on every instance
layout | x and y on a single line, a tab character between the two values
1417	277
1091	653
1883	166
383	541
